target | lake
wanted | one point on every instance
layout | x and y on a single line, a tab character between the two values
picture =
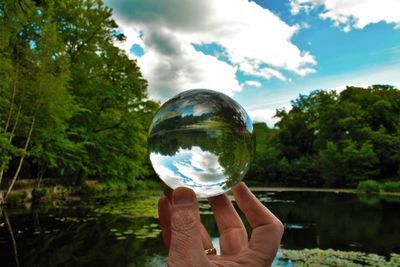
123	230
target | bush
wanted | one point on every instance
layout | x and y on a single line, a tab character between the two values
16	198
42	191
146	185
369	186
393	186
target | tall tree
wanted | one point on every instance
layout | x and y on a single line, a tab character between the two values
114	111
334	139
39	100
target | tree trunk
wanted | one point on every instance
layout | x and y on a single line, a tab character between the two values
22	157
12	99
39	177
1	178
10	113
15	125
10	140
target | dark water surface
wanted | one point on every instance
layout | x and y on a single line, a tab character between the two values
124	231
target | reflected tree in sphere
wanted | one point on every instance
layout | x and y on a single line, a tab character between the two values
203	140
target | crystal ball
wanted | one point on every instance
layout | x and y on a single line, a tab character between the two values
203	140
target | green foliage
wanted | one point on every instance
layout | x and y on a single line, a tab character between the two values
121	185
332	140
330	257
391	186
368	186
41	192
16	198
63	80
374	186
5	151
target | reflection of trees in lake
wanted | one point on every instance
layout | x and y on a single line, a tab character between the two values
339	221
86	234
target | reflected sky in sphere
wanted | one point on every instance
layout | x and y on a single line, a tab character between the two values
203	140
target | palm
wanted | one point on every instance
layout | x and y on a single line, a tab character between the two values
236	249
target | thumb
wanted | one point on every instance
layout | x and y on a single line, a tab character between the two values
186	247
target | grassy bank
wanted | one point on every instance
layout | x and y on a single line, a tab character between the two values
25	190
372	186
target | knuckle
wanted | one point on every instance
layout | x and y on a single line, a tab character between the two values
279	226
184	220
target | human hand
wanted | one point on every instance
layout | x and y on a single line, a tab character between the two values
186	238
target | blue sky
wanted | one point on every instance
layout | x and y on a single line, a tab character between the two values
343	57
262	53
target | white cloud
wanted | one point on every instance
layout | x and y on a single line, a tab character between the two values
203	167
352	14
194	168
248	34
267	115
253	83
251	68
168	74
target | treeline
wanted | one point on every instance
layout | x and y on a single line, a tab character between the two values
331	140
72	104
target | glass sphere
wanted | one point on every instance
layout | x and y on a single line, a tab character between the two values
203	140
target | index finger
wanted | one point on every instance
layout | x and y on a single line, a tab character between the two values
267	228
233	236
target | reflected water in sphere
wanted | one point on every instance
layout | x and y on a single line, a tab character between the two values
201	139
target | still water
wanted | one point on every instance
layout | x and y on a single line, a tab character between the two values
124	231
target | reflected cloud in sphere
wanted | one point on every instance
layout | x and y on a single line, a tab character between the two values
195	168
203	140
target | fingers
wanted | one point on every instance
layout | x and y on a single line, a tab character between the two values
233	235
267	229
205	237
164	215
166	230
186	241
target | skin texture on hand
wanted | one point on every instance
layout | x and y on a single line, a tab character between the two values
186	238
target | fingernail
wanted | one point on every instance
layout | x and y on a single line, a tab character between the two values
183	196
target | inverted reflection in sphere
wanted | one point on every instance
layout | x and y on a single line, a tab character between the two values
203	140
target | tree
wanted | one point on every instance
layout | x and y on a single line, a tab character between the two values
70	99
39	99
114	112
331	139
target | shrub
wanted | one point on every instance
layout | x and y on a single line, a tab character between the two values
369	186
42	191
393	186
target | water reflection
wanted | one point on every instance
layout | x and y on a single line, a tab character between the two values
201	139
124	231
339	221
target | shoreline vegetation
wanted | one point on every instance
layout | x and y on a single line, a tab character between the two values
326	190
26	192
330	257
